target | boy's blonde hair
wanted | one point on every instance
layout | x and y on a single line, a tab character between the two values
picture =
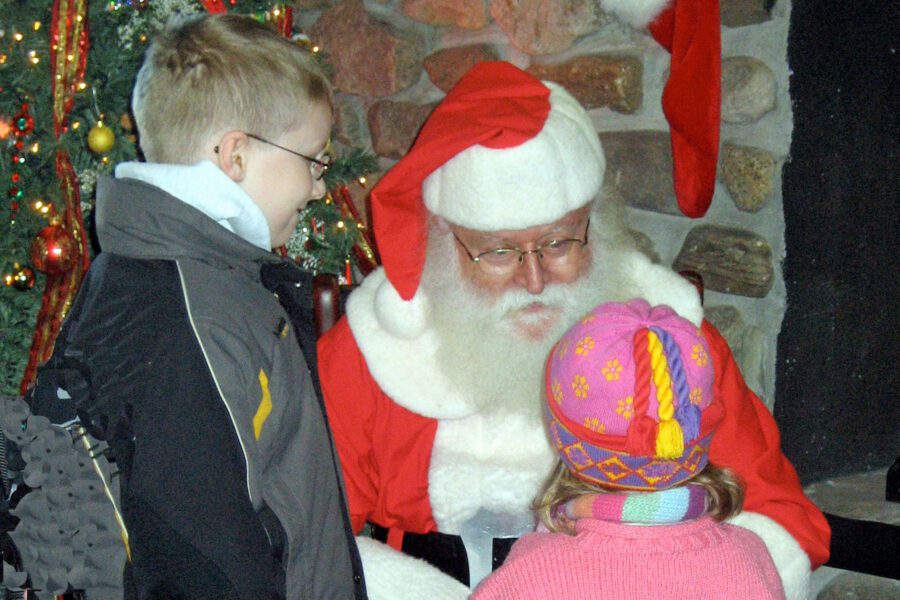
214	73
724	490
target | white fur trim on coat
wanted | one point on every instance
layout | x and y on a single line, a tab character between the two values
534	183
400	350
789	558
503	458
637	13
392	575
660	285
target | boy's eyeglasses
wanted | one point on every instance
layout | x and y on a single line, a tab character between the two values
504	261
317	167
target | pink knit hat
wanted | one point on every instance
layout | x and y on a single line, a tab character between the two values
630	397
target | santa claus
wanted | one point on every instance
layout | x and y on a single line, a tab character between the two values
495	237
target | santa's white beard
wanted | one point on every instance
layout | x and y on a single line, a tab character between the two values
483	348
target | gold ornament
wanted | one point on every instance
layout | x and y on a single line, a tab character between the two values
101	138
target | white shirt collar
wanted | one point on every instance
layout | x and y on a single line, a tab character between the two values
207	188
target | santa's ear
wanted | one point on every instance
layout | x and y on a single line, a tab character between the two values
231	154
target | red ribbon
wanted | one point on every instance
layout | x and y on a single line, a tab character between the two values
68	51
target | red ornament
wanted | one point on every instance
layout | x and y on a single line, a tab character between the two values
54	250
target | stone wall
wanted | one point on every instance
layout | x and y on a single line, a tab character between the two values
393	60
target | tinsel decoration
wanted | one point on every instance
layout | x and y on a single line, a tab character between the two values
68	59
364	249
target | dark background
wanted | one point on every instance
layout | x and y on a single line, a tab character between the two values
838	391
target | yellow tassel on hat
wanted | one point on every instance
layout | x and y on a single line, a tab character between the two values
669	436
669	439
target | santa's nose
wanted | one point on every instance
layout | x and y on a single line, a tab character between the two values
531	274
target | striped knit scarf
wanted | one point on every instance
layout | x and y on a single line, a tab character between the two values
651	508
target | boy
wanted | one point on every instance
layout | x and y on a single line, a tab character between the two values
190	348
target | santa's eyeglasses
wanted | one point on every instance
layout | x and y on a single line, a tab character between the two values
503	261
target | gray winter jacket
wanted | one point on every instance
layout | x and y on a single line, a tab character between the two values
189	343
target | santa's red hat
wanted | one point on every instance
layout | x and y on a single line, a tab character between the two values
690	31
503	150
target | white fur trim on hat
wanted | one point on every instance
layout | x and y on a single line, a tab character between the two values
534	183
404	319
637	13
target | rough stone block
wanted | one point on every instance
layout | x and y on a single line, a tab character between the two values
595	81
747	343
645	244
300	5
733	261
739	13
748	173
394	126
639	168
350	127
446	67
369	58
545	26
748	89
467	14
859	586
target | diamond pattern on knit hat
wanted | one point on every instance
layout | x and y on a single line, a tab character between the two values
613	469
620	470
578	456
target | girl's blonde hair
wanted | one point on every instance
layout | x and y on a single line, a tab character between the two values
724	489
214	73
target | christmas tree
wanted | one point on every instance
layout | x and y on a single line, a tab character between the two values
66	72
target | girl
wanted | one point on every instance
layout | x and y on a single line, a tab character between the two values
633	509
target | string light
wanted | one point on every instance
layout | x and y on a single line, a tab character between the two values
36	26
35	148
18	36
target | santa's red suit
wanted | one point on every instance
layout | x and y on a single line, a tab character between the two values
419	451
418	461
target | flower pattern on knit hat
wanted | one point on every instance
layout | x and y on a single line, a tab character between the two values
640	377
699	355
584	345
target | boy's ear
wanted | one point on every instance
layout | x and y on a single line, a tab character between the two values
231	154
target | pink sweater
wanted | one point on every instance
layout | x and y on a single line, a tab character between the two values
615	561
